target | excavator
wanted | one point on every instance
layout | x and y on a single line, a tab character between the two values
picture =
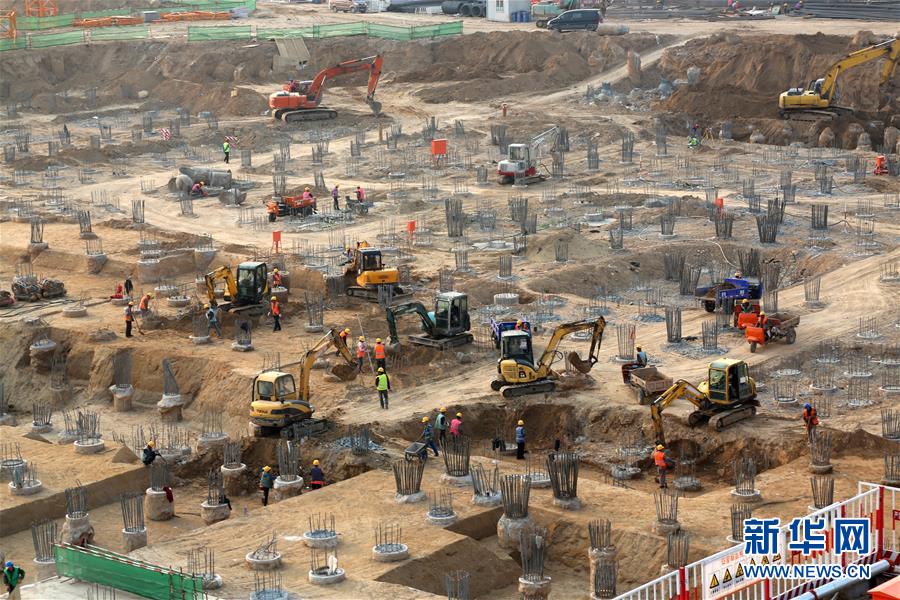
820	100
301	100
727	396
365	272
246	293
278	404
445	327
519	375
523	160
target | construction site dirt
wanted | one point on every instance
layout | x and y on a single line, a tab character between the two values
615	236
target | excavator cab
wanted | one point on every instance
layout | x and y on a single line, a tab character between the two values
370	260
451	314
516	345
275	401
252	283
729	382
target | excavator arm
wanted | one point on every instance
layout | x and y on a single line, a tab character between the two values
679	389
331	338
372	64
565	329
392	312
889	49
225	273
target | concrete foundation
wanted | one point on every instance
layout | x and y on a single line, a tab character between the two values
41	428
231	480
170	407
322	579
263	564
89	446
410	498
7	420
94	263
199	340
508	531
241	347
77	531
26	490
212	582
567	503
666	527
441	521
744	498
8	466
540	481
213	513
330	541
820	469
74	312
270	595
132	540
211	442
386	556
491	500
42	569
157	507
534	590
464	481
287	489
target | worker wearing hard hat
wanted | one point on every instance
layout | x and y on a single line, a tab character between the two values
520	440
144	306
129	319
277	280
361	351
441	424
266	483
662	463
149	454
275	311
316	476
456	425
344	335
380	354
212	320
383	385
428	435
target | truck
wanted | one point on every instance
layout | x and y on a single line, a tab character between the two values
648	382
731	288
464	8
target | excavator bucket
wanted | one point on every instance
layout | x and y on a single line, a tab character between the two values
583	366
344	372
375	106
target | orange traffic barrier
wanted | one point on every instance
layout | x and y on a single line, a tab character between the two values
109	22
196	16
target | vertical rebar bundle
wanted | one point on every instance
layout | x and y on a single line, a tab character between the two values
767	227
456	455
461	260
212	424
661	140
627	147
820	448
87	426
667	225
819	217
505	270
710	334
533	549
484	484
137	211
440	503
267	550
666	504
515	491
288	460
84	222
457	583
231	455
408	476
739	514
770	301
201	562
170	385
121	363
625	334
43	537
868	328
359	440
600	534
690	276
858	393
388	538
445	280
37	230
562	251
132	511
616	238
890	422
892	468
822	490
673	265
315	310
24	475
41	412
321	525
563	470
215	488
160	475
605	578
456	218
76	506
593	156
745	476
811	288
678	545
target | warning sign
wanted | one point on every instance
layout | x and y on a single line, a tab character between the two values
723	574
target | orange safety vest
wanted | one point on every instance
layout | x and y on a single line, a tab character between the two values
379	350
276	279
272	208
276	309
129	316
360	349
810	417
343	336
763	321
145	301
659	458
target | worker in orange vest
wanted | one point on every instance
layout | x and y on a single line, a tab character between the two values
380	355
129	319
275	311
272	209
277	281
144	306
662	463
811	420
361	351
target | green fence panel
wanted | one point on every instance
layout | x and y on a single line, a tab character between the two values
136	32
37	23
16	44
200	34
339	29
430	31
264	33
96	565
46	40
390	32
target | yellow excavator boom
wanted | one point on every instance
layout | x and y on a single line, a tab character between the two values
331	338
598	325
679	389
889	49
224	273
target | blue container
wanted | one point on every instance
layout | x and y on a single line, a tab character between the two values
526	17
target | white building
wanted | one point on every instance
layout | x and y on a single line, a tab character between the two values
501	10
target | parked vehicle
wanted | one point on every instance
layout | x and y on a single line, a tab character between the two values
353	6
575	20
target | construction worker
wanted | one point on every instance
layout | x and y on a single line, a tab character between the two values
746	307
738	275
456	425
272	210
266	483
440	423
226	149
520	440
428	436
307	194
811	420
128	286
316	476
662	464
383	385
360	194
335	194
212	320
12	577
642	359
275	311
763	321
277	280
144	306
120	293
129	319
197	189
380	356
521	325
361	351
343	335
149	453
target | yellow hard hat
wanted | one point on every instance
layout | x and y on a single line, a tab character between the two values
745	301
274	298
377	340
424	419
737	274
151	443
316	463
638	348
521	422
275	270
442	409
362	338
381	369
459	415
347	330
206	306
202	183
131	304
306	189
150	294
518	321
762	314
267	468
659	446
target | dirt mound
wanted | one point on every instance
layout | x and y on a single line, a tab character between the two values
742	76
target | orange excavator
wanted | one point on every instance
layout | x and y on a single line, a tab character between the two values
301	100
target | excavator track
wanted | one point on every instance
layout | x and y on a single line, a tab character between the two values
525	389
371	295
443	343
311	114
727	419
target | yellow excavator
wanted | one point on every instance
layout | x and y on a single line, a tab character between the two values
278	404
821	97
365	273
519	375
727	396
247	292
